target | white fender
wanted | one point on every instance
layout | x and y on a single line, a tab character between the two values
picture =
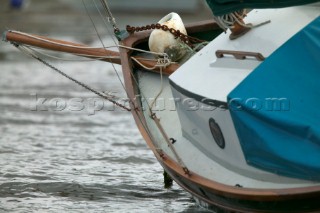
164	42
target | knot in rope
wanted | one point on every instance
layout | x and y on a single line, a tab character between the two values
228	21
164	62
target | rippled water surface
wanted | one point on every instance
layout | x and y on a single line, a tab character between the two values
55	160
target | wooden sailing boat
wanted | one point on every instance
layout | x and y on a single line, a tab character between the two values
186	117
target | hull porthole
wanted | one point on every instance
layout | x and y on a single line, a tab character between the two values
216	133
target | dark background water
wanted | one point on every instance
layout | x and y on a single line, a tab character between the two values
54	160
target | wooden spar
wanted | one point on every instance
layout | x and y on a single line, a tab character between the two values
63	46
77	49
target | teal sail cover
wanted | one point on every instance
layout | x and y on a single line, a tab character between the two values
222	7
276	109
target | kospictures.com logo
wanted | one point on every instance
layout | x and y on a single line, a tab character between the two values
93	105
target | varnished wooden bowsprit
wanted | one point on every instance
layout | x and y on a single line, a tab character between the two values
62	46
78	49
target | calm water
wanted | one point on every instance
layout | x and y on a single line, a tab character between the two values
55	160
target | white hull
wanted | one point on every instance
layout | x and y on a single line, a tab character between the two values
202	76
176	125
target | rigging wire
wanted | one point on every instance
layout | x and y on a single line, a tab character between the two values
165	62
105	23
94	58
96	30
134	109
133	77
30	52
121	46
135	80
111	18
